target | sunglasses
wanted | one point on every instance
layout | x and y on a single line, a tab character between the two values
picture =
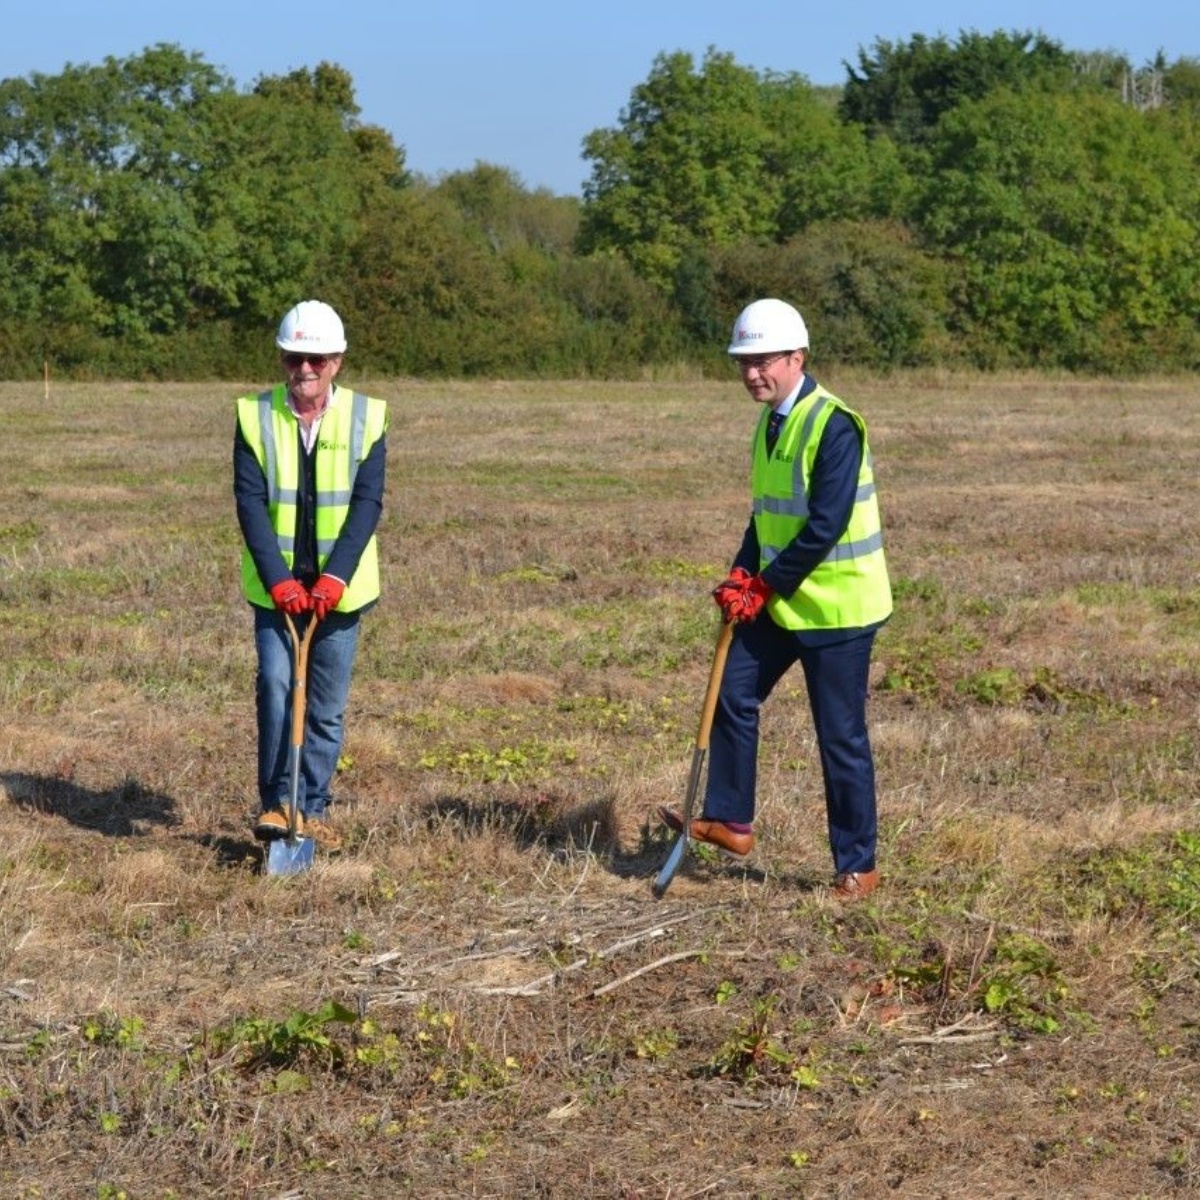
316	361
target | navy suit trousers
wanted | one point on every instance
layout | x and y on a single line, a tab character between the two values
836	675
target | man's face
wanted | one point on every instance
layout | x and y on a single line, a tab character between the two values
769	378
309	376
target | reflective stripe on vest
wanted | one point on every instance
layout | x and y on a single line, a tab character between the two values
278	495
351	425
850	587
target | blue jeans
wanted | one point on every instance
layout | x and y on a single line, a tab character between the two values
836	677
330	661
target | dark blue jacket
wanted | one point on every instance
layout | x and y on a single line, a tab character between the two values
254	517
832	491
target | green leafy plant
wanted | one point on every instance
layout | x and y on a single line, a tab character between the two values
378	1048
460	1064
508	764
106	1029
753	1051
1024	984
997	685
806	1077
910	671
302	1037
655	1044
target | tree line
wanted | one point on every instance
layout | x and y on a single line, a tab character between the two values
992	201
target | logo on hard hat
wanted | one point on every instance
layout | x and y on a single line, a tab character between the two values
746	335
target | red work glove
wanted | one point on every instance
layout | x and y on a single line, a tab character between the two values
729	590
749	602
290	597
326	593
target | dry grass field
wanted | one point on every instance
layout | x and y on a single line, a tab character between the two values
481	997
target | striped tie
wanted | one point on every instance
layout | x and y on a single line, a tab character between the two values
774	421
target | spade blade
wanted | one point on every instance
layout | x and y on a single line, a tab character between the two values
290	856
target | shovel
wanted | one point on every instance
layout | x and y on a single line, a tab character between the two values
294	853
699	754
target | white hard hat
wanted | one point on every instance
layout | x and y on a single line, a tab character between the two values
767	327
312	325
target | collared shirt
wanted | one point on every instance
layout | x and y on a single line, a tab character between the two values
786	405
308	429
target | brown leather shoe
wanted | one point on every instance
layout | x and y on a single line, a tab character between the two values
324	834
272	824
854	885
715	833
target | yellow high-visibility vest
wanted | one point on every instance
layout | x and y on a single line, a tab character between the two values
850	588
350	426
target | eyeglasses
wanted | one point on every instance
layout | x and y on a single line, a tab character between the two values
316	361
759	362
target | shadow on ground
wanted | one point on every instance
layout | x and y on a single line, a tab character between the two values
233	851
565	828
127	810
535	818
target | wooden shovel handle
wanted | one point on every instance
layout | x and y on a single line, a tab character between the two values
714	684
300	647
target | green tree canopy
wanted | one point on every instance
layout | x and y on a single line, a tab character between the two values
997	199
492	200
468	278
1076	224
1181	84
100	162
903	88
685	164
146	195
868	293
720	155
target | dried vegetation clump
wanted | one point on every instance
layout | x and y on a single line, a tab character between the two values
481	997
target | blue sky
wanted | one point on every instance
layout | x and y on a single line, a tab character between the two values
520	84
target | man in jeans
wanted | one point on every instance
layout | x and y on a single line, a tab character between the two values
309	462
